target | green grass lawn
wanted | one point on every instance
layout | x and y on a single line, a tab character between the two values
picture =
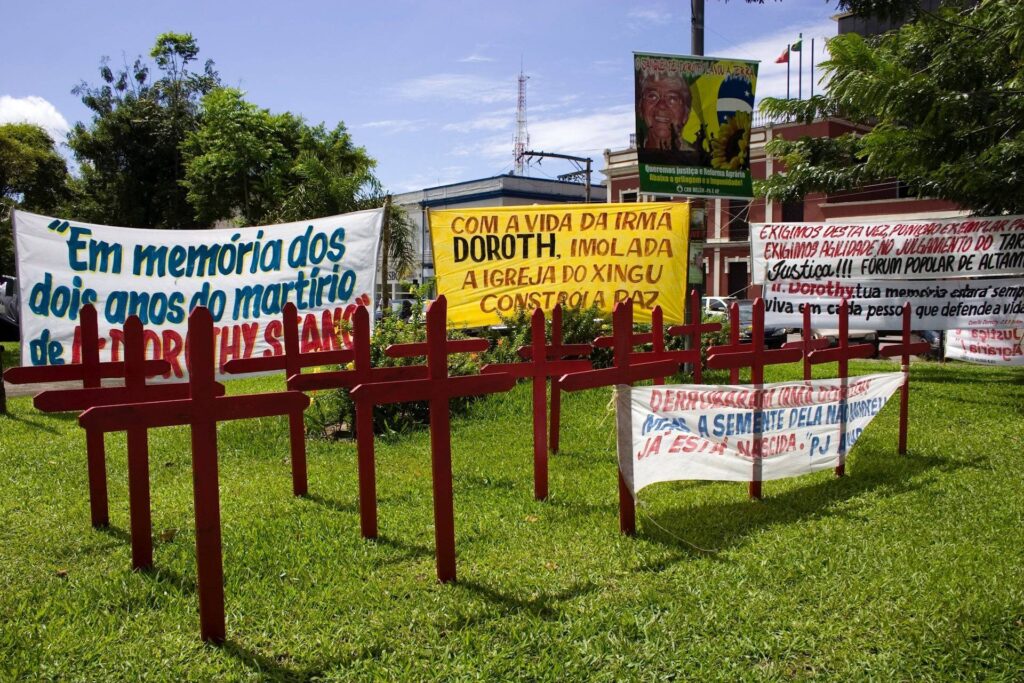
908	568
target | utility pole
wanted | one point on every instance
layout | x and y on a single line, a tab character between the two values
581	170
697	48
697	27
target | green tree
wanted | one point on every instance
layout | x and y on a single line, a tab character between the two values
129	154
33	176
248	164
943	95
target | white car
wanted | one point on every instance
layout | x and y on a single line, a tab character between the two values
716	305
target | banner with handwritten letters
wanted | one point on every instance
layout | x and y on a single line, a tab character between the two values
878	304
911	250
679	432
989	347
491	262
244	276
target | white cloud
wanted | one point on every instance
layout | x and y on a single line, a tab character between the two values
458	87
433	177
496	122
33	109
649	15
393	126
587	134
771	77
475	59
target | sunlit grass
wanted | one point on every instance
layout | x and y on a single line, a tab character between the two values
907	568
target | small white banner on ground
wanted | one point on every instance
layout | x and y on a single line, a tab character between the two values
911	250
682	432
878	304
324	266
991	347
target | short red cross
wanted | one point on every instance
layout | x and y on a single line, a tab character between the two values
135	390
842	353
807	342
905	349
624	371
556	350
89	371
292	362
656	338
756	357
202	410
694	330
539	369
437	388
362	373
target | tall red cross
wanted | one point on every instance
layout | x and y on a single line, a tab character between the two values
135	390
905	349
842	353
557	350
756	357
807	342
202	410
437	388
90	371
292	362
539	368
693	330
362	373
624	371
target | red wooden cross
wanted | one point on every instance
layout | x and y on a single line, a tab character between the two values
756	357
557	351
89	371
202	410
292	362
539	368
807	342
438	388
656	338
734	345
135	390
693	330
905	349
842	353
624	371
362	373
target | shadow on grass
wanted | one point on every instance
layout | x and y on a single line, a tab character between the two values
162	576
544	606
717	526
115	532
407	551
954	374
268	668
330	503
30	422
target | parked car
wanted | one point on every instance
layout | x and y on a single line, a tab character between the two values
855	336
8	308
716	305
774	337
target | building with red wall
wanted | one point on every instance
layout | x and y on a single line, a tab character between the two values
726	232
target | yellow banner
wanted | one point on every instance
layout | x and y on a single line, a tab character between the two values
493	261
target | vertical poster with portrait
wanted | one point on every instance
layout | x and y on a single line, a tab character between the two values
693	120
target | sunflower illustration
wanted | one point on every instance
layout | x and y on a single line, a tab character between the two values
729	149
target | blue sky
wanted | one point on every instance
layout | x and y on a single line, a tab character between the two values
428	88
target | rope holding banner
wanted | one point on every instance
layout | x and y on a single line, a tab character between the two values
643	504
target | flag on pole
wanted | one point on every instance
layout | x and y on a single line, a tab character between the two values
796	46
784	57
